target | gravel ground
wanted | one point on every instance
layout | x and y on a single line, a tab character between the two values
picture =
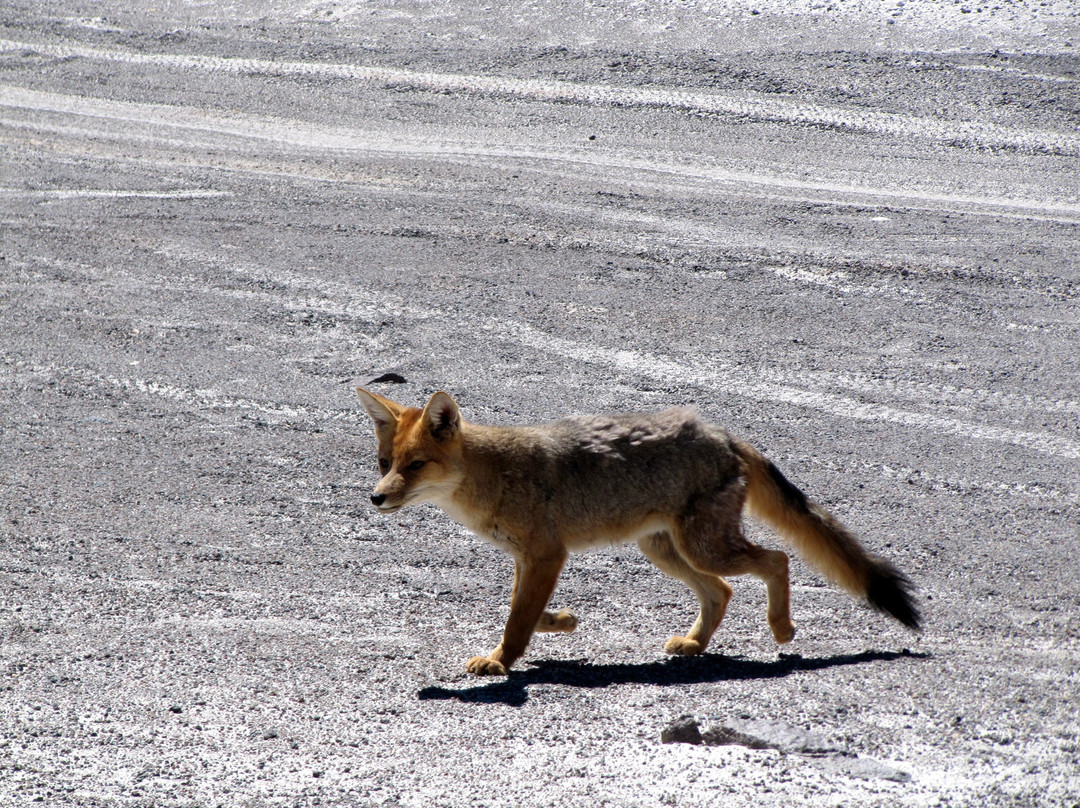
848	231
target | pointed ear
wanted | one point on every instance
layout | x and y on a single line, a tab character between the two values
442	415
383	412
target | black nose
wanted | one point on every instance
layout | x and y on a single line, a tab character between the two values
378	499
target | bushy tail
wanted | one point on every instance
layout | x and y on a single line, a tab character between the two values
823	542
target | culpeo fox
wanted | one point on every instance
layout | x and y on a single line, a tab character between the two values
669	481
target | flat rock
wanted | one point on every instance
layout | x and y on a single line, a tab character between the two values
867	769
768	734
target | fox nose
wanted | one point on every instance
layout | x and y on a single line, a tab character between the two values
378	499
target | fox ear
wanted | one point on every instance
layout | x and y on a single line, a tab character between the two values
383	412
442	415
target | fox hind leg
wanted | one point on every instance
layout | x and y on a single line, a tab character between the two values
772	567
711	539
562	620
712	591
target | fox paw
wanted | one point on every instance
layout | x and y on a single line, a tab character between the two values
683	646
485	666
784	632
557	621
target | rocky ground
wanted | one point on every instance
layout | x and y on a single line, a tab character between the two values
845	230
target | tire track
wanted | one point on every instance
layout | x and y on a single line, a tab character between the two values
106	193
347	303
202	399
161	123
715	375
743	105
208	399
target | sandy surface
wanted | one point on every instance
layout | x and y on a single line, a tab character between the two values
845	230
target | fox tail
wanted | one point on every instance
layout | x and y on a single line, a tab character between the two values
823	542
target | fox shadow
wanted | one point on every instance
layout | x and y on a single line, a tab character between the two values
513	690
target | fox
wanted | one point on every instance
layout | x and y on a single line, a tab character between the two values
670	481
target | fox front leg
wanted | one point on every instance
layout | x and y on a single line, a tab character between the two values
534	581
563	621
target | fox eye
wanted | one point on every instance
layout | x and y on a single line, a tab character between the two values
416	464
384	465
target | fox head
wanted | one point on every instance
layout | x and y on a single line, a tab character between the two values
419	450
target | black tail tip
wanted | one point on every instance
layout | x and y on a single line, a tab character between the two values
890	591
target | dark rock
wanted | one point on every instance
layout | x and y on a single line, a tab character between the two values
681	730
389	378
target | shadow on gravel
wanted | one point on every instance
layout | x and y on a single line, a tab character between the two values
513	690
